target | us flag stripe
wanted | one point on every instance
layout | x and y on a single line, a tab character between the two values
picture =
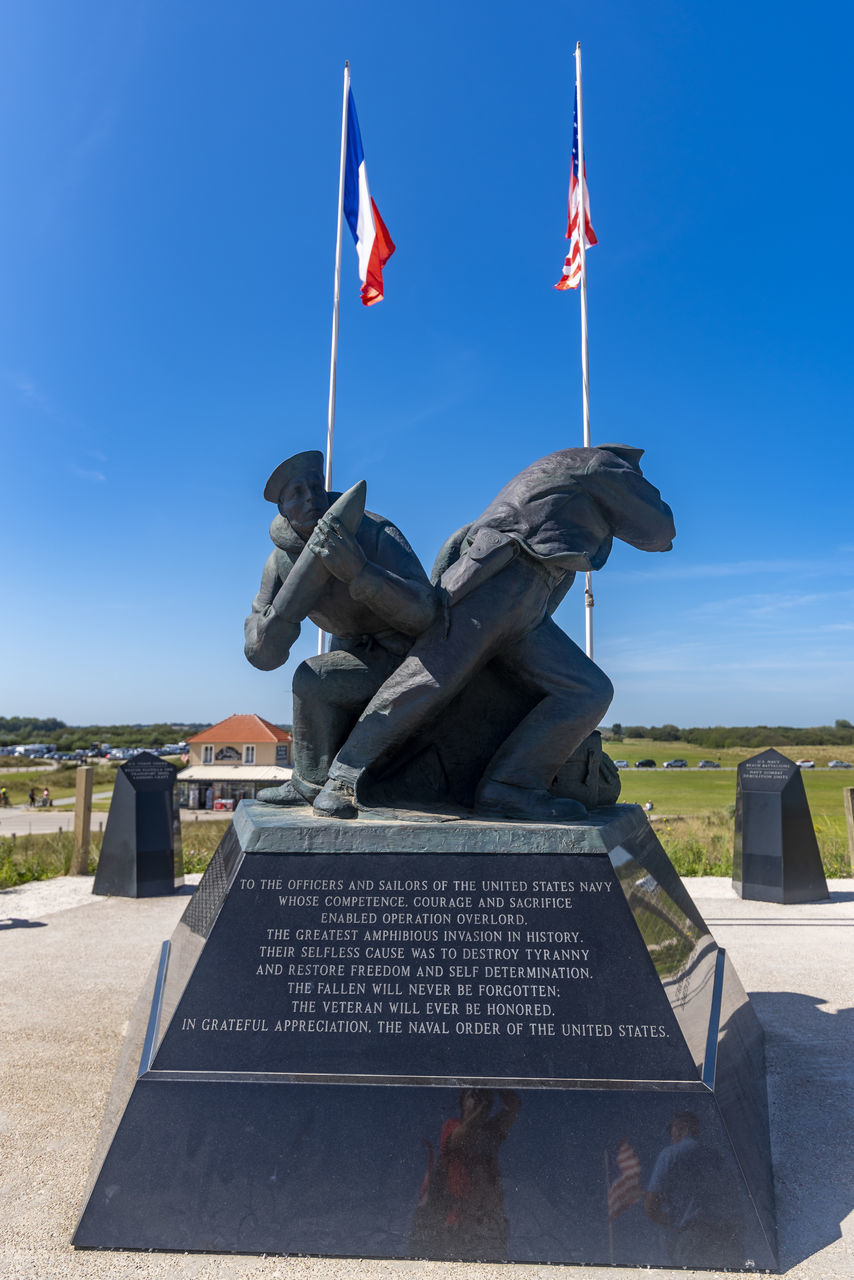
571	277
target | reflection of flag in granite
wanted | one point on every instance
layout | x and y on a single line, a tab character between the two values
424	1193
626	1188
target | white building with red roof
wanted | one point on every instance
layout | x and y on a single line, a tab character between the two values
233	760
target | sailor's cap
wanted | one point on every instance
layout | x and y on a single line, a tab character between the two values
300	464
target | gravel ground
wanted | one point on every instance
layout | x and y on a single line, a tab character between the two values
74	964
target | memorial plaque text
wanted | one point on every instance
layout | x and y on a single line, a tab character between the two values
510	966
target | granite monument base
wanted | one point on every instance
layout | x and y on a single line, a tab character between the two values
461	1040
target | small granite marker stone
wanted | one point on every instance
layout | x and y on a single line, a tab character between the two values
138	857
776	856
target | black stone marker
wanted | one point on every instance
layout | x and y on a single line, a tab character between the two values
430	1050
141	852
776	856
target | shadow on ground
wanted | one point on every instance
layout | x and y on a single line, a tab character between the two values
810	1063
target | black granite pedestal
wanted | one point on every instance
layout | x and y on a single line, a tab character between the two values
141	854
437	1039
776	856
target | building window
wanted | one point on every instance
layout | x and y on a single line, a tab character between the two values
207	753
249	754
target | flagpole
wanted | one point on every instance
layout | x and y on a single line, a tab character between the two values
336	296
608	1210
585	364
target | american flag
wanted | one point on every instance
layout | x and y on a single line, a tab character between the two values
626	1188
571	277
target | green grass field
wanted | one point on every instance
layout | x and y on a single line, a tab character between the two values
633	749
693	808
695	791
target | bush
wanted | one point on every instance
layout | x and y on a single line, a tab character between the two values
42	857
200	841
698	846
702	845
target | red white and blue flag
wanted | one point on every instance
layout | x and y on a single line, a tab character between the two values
571	277
626	1188
374	245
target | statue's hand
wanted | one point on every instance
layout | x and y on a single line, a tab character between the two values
336	547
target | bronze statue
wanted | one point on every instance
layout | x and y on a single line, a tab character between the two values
498	582
371	594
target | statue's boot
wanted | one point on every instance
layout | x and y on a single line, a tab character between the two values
522	804
336	800
295	791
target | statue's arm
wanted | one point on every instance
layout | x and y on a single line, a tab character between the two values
635	508
268	636
449	553
395	586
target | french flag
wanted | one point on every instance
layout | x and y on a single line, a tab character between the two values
374	245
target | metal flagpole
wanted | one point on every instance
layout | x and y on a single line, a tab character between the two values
585	366
336	295
608	1210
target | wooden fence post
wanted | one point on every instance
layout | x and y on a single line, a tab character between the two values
848	802
82	821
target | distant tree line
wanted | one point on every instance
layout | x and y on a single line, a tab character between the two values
840	734
18	730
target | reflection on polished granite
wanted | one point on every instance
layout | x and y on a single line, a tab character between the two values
445	1055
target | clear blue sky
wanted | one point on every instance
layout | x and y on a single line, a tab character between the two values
166	255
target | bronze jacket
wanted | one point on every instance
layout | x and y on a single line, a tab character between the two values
567	508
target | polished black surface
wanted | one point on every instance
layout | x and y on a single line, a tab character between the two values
139	858
776	856
249	1132
340	1170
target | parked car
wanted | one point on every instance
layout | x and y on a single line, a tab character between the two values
621	764
645	764
805	764
708	764
676	764
839	764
